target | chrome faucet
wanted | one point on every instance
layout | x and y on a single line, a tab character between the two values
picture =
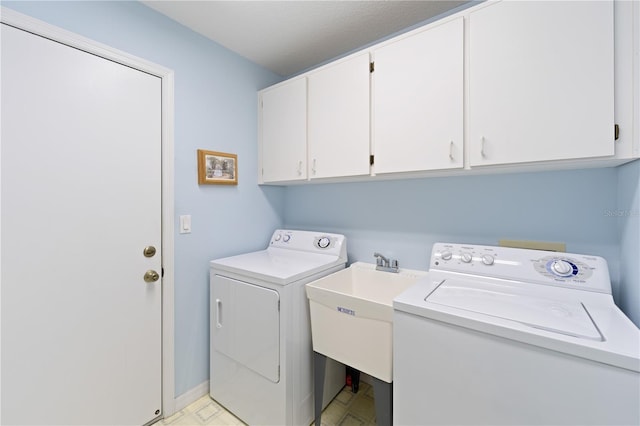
384	264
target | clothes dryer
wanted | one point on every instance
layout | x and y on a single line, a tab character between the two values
499	336
261	365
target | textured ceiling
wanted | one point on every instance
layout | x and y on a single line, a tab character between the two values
288	37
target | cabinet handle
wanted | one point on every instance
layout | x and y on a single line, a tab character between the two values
313	167
482	147
218	314
300	168
451	150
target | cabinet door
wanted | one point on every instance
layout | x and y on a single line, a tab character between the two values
339	119
284	132
418	101
541	81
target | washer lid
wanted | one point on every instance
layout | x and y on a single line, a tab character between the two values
515	303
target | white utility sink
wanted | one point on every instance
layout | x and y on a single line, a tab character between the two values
352	314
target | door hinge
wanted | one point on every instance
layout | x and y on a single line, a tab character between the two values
616	132
371	160
372	66
162	272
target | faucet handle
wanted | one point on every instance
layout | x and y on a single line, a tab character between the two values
380	259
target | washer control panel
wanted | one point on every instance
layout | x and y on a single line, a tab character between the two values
536	266
333	244
558	266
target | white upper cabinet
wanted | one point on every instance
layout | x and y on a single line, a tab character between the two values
284	132
501	86
417	103
338	132
541	81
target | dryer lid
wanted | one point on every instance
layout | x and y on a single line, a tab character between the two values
517	303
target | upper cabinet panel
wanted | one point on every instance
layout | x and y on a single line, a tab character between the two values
284	132
339	119
541	81
417	102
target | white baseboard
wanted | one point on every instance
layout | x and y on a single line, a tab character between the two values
191	395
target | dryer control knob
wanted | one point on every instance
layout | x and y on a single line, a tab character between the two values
277	238
446	255
562	268
324	242
487	259
286	238
466	257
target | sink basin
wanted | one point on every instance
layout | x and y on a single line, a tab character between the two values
352	315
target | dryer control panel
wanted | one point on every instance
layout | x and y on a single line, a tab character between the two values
568	270
309	241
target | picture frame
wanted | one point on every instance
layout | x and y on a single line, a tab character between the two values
217	168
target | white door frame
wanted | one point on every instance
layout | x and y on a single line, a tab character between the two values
35	26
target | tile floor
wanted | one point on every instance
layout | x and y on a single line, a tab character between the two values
346	409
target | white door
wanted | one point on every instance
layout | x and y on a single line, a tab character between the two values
245	326
418	101
284	132
541	81
339	119
81	186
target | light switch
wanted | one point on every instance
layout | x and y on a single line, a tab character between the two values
185	224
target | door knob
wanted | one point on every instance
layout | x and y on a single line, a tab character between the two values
151	276
149	251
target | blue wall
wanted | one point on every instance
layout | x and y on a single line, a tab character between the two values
403	218
627	214
215	109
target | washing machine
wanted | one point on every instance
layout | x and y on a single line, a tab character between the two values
261	365
499	336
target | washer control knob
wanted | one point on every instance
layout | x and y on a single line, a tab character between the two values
487	259
562	268
324	242
277	237
286	238
446	255
466	257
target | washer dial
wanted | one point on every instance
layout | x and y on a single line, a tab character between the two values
487	259
562	268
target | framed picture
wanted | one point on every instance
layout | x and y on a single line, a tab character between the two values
217	168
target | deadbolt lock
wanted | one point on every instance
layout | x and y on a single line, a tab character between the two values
149	251
151	276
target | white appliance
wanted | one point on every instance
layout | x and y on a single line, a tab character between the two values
261	365
498	335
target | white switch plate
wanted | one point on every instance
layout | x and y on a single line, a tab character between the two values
185	224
